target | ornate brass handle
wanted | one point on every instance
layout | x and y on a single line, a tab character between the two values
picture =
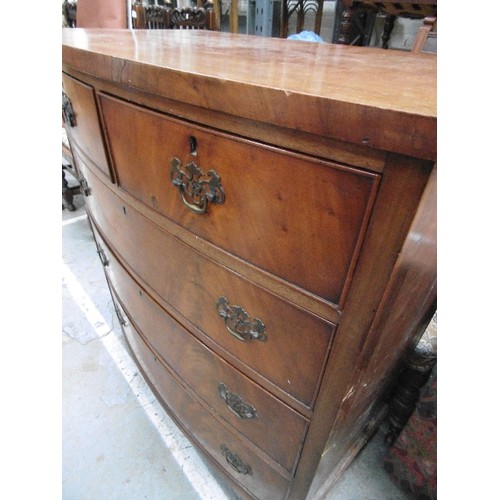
121	317
236	404
196	192
235	461
84	186
238	322
102	256
67	110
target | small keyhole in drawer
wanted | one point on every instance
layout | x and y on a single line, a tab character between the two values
124	210
193	144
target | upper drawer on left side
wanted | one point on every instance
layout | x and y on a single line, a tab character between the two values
84	128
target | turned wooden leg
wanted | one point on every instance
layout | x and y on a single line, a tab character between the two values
404	401
388	26
67	195
415	374
345	27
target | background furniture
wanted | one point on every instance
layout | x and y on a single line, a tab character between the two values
425	33
170	17
69	14
354	19
414	375
412	459
149	16
301	8
263	258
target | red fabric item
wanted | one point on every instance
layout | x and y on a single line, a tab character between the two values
412	460
101	14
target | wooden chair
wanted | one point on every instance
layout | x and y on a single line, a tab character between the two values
69	14
425	33
201	18
302	8
166	17
149	16
354	19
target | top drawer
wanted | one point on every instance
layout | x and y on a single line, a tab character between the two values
85	130
299	218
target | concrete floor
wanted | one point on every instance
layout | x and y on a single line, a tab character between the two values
117	442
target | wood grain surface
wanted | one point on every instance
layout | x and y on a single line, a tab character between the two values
373	97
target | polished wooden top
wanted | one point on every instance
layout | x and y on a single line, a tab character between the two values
378	98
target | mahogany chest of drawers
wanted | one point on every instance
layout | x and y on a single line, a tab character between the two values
264	210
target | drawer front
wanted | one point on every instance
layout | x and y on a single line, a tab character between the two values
294	352
85	131
225	447
298	218
255	413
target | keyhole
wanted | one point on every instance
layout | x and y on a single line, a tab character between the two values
193	144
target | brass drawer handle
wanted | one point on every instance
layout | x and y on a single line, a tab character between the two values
102	255
67	111
84	186
235	461
238	322
196	192
121	317
236	404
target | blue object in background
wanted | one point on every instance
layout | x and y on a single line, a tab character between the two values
306	36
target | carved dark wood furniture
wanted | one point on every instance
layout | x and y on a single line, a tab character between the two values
69	13
415	373
169	17
149	16
300	8
354	19
193	18
268	238
411	461
425	33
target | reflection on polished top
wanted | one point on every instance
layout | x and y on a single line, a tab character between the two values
338	87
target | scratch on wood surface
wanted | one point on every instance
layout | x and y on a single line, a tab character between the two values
350	392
